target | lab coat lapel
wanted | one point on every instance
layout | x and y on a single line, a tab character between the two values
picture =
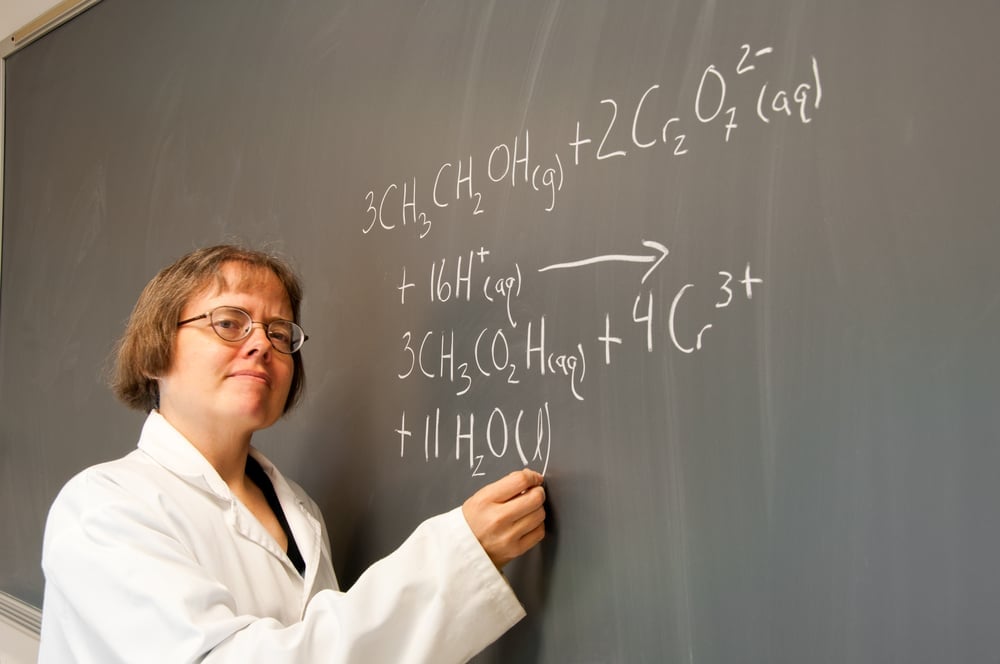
168	447
306	529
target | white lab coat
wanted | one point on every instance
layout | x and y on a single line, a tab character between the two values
150	558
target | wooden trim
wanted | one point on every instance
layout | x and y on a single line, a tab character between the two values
48	21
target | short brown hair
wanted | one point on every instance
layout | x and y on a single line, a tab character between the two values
146	348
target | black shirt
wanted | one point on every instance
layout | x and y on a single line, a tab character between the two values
260	478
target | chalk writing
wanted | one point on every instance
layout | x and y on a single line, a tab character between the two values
432	354
513	162
655	259
669	314
495	435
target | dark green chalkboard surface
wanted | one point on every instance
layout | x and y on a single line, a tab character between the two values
727	271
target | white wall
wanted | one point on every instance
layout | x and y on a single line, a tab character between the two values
16	646
19	625
15	14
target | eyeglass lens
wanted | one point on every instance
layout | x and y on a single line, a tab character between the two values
233	324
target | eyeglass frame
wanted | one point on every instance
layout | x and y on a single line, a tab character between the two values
249	329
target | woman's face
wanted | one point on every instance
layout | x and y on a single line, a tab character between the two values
225	388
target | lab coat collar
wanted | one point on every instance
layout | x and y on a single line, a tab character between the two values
169	448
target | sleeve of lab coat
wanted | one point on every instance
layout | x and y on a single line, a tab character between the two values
438	598
121	587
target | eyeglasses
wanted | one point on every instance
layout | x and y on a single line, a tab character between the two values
234	324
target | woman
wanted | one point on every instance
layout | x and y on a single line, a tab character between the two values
195	548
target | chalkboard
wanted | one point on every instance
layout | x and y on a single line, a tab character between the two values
726	271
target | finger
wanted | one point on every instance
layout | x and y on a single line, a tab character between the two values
510	486
528	522
525	503
524	513
516	545
532	538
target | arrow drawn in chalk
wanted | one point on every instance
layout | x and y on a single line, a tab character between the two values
655	259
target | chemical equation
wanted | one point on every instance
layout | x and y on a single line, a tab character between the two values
443	355
520	349
513	351
443	287
494	436
725	288
399	206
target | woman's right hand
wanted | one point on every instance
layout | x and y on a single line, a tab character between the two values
508	516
